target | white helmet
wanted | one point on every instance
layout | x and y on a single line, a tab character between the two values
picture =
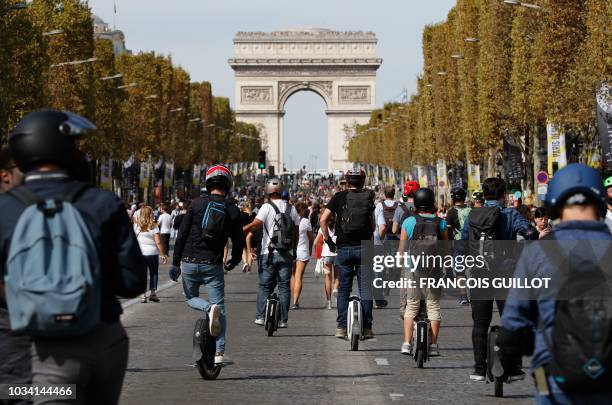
274	185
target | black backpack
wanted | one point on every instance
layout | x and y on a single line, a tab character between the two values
283	231
425	237
580	344
484	223
388	214
213	220
356	218
407	211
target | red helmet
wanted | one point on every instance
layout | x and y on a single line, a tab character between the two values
218	176
410	187
355	177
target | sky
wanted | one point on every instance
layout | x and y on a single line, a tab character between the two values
198	35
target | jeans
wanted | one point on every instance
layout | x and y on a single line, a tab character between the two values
213	278
95	362
349	265
275	270
482	314
152	263
15	358
558	397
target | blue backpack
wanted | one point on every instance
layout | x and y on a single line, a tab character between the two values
52	278
213	221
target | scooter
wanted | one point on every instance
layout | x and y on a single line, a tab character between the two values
421	337
495	369
272	314
354	327
204	348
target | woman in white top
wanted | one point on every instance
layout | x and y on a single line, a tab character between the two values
302	253
151	247
329	261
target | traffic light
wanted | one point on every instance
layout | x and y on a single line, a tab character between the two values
261	159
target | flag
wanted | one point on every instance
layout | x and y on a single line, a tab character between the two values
556	149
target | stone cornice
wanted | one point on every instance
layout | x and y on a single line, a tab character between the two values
304	61
306	35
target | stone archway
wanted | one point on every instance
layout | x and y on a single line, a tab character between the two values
338	66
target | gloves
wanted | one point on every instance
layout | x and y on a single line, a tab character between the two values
331	244
229	266
174	273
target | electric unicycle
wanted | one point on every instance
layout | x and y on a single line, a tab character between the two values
421	337
204	347
272	314
495	369
354	322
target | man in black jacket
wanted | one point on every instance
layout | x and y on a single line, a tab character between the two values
44	146
204	231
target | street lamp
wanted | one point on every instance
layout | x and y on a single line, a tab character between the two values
530	5
52	32
105	78
512	2
472	40
74	62
176	110
457	56
195	120
125	86
151	96
442	73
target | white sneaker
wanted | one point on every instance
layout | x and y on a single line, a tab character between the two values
282	325
329	305
406	349
477	377
433	350
259	321
223	359
214	313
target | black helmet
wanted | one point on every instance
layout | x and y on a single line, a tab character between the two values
50	137
458	194
219	177
424	199
355	177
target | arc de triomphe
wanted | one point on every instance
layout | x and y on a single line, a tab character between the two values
338	66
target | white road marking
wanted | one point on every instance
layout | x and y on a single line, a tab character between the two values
381	361
396	397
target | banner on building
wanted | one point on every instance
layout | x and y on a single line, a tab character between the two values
604	123
513	161
106	178
431	177
422	176
557	158
145	174
169	174
196	175
473	177
442	175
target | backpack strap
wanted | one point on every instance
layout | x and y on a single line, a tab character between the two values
25	196
73	191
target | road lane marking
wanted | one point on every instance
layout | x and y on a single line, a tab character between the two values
396	397
161	288
381	361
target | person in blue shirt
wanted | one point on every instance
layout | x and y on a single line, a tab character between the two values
423	226
577	199
509	224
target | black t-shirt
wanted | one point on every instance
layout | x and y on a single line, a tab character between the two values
336	205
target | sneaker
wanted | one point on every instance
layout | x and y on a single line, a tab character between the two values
341	333
433	350
282	325
244	268
367	334
406	349
153	298
477	377
143	299
295	306
463	300
329	305
260	322
518	375
214	313
223	359
381	303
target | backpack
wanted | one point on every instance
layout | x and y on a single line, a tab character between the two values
407	211
283	231
356	218
462	215
425	238
178	220
314	221
484	222
388	213
213	221
52	279
581	338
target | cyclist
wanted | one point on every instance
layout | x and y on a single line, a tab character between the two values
568	342
455	219
201	256
423	226
354	209
608	186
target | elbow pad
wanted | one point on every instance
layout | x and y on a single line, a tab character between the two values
516	343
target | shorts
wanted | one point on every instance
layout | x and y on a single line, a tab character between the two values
433	309
303	256
329	260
